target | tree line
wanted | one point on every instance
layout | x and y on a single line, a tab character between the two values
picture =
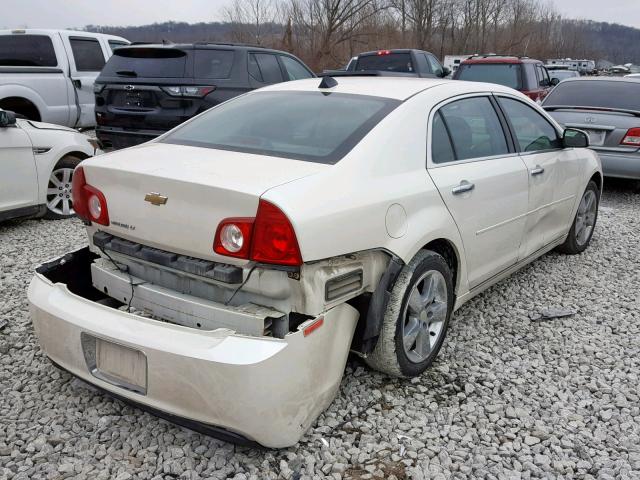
326	33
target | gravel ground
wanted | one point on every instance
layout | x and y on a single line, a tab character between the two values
508	397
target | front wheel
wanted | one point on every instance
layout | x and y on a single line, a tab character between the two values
417	316
584	222
59	201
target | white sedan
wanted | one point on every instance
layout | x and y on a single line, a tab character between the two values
37	161
234	262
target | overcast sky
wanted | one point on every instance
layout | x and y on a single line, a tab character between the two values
78	13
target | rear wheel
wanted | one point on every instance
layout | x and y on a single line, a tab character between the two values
416	319
59	201
584	222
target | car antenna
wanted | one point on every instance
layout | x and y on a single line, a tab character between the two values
328	82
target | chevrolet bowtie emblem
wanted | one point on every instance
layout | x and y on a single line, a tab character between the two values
155	198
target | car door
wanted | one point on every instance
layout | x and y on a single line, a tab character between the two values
19	188
482	181
86	59
553	173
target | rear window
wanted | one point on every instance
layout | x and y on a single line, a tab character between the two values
27	51
311	126
392	62
507	74
596	93
146	62
213	63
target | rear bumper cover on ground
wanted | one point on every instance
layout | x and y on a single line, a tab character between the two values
263	389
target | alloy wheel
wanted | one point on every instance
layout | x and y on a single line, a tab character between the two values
586	217
59	199
424	316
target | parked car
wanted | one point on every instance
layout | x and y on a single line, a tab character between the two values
38	160
520	73
262	240
563	75
145	90
608	109
48	75
401	61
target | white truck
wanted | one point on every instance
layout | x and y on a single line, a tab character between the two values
48	75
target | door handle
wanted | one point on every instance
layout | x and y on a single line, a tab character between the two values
537	171
463	187
77	83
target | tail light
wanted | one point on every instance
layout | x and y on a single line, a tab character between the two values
189	91
384	52
89	203
267	238
233	237
632	138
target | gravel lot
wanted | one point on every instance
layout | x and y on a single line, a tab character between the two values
508	398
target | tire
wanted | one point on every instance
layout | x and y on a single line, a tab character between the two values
401	320
584	222
59	201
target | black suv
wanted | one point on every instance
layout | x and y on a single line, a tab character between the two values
145	90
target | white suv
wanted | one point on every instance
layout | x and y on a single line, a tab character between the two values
235	261
48	75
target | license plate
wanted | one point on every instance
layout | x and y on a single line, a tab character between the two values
596	137
116	364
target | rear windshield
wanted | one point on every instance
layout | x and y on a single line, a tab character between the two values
507	74
596	93
392	62
146	62
27	51
311	126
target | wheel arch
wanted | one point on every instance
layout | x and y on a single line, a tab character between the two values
22	106
372	309
597	178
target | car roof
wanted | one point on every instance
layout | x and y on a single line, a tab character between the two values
499	59
205	45
398	88
603	79
52	31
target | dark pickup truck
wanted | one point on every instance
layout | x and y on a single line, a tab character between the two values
406	62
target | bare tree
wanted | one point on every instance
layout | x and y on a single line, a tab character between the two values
252	20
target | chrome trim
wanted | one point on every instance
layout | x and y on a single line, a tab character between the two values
535	210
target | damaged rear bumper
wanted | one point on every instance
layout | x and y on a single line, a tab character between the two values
266	390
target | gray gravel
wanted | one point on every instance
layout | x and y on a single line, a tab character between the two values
508	398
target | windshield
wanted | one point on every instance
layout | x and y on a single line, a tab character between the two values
507	74
596	93
146	62
311	126
27	51
391	62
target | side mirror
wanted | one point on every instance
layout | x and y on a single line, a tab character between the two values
445	72
555	81
7	119
573	138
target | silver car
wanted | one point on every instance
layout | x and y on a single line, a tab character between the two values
608	109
